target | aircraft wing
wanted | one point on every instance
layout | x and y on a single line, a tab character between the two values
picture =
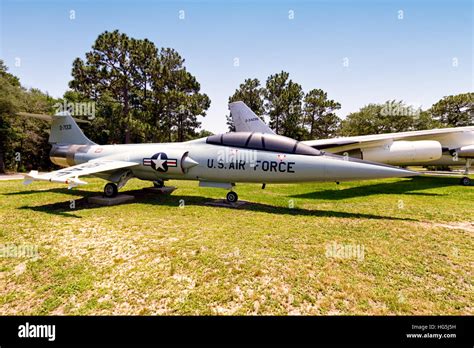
70	175
349	143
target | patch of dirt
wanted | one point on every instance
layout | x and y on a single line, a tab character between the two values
465	226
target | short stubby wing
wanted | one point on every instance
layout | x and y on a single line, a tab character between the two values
70	175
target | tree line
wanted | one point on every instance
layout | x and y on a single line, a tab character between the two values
313	115
22	140
140	93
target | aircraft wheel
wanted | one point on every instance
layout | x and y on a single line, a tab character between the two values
465	181
158	183
232	197
110	190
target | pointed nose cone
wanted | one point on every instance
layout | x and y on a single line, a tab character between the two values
340	168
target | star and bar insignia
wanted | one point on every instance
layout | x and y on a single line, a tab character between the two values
160	162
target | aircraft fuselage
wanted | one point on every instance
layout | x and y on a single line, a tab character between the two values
197	160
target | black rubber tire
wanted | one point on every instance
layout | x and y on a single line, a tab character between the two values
232	197
465	181
158	183
110	190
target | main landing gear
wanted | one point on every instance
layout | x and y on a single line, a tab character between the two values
110	190
117	181
232	197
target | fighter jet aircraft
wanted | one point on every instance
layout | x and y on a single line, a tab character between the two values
433	147
215	161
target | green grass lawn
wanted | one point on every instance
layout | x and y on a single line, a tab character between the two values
176	255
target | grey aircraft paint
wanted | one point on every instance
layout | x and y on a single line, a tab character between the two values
228	158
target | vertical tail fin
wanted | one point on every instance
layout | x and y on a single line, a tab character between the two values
64	130
245	120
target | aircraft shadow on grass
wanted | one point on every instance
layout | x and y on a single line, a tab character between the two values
64	209
402	187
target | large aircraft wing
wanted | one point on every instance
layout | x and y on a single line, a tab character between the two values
349	143
70	175
245	120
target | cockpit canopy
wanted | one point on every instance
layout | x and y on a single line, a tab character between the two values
262	142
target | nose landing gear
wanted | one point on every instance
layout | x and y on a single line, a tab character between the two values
232	197
465	181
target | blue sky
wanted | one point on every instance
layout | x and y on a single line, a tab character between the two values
420	58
